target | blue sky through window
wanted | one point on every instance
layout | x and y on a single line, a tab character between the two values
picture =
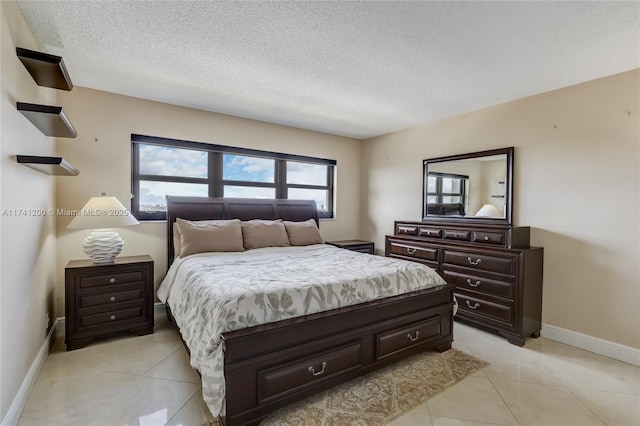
182	162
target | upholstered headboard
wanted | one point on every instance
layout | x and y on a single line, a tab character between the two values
208	208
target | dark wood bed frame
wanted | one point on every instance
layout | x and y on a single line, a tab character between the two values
273	365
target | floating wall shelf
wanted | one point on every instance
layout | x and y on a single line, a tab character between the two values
50	120
47	70
48	165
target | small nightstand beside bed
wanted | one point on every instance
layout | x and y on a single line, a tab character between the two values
269	326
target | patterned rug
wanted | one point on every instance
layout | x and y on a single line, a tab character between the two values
381	396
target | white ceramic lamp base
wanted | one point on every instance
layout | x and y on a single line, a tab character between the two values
103	245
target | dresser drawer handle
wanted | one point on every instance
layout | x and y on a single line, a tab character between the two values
413	339
312	371
112	317
112	280
474	262
486	238
411	250
472	284
112	298
475	306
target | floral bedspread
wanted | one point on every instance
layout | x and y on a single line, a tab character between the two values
213	293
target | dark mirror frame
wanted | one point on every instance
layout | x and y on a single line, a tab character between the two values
508	187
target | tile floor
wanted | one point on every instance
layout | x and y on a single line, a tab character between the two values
130	380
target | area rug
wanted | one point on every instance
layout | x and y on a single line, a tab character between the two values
381	396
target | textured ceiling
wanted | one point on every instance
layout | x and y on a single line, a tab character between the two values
357	69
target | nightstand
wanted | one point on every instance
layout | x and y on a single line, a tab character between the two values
355	245
106	298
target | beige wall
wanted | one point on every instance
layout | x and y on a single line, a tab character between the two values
577	184
27	250
102	153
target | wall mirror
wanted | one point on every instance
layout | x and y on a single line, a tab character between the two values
476	186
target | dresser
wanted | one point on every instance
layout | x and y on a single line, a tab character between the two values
107	298
498	276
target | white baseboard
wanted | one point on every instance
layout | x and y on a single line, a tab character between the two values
15	410
159	309
592	344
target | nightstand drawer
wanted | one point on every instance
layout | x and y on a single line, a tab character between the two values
111	317
90	281
108	299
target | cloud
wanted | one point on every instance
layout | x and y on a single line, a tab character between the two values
306	174
253	169
169	161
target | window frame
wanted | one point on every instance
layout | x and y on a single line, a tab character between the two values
215	180
439	194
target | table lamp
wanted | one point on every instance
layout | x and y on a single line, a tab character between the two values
101	214
488	210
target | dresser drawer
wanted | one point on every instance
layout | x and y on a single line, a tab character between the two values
503	313
394	341
503	265
488	237
113	298
90	281
413	250
430	232
286	379
111	317
481	284
406	230
455	234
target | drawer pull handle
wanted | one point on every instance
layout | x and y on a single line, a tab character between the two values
112	317
413	339
312	371
486	238
411	250
475	306
474	262
455	235
112	298
472	284
112	280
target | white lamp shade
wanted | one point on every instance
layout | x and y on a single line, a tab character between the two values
488	210
102	212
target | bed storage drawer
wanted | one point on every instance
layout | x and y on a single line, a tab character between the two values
394	341
285	379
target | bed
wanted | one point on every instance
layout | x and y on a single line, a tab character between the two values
267	365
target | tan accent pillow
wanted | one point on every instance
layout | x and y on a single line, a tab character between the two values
264	233
209	235
303	233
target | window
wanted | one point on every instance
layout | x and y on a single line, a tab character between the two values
444	188
163	167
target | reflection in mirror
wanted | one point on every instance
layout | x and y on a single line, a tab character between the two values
468	186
